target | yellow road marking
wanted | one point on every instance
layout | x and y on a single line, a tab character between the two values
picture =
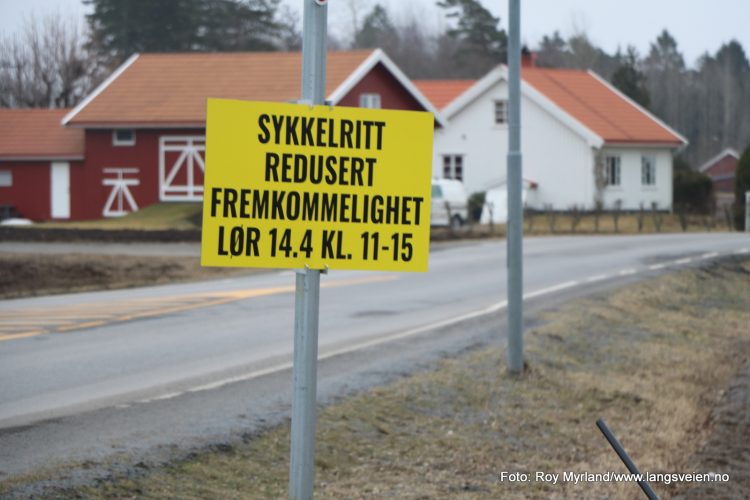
80	326
30	321
22	335
62	319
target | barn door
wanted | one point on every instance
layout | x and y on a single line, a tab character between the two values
181	167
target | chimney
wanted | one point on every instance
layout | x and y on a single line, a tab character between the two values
528	58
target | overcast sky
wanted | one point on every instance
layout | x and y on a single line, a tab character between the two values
698	25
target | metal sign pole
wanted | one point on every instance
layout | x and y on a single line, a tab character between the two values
514	186
307	296
747	211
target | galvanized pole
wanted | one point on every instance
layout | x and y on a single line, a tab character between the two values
747	211
625	459
514	186
307	296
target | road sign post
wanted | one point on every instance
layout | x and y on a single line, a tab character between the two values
310	186
747	211
514	185
307	296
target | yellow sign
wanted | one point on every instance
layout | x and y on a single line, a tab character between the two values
291	185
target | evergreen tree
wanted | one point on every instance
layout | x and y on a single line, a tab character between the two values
377	30
553	52
630	80
741	186
482	45
664	55
667	81
121	27
577	52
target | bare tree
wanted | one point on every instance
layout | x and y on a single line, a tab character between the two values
575	217
616	213
600	178
46	66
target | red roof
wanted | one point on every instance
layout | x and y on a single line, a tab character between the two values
173	88
441	92
31	134
599	107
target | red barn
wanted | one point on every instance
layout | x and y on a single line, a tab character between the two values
145	125
41	165
721	169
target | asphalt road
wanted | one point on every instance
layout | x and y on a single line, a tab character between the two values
158	371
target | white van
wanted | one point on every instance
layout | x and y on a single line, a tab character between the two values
449	203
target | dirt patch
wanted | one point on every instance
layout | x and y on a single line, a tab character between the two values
727	447
26	275
653	360
40	234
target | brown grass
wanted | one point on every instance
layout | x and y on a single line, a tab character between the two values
650	359
43	274
539	224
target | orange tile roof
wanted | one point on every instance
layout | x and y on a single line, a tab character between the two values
598	107
441	92
37	134
173	88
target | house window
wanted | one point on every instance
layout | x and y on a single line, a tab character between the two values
453	167
501	112
648	170
612	165
123	137
6	178
371	101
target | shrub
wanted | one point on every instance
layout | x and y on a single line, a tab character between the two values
476	204
741	185
692	190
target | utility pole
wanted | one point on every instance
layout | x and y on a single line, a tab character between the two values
307	295
514	186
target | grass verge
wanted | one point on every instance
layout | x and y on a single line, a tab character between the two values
651	359
185	215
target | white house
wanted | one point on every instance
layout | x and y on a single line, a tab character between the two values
575	127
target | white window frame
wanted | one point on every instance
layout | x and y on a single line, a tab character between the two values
371	101
6	178
118	142
648	170
501	112
189	158
453	166
613	170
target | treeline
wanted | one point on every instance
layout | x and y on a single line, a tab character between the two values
54	63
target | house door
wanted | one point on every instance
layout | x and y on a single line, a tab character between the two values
60	189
